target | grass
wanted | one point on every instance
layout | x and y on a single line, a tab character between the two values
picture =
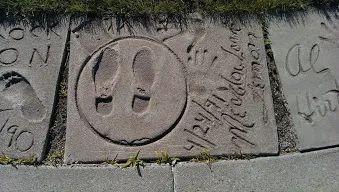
6	160
134	161
55	158
154	7
205	157
165	158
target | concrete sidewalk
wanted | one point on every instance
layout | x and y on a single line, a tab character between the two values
313	171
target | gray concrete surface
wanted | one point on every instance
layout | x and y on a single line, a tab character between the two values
205	86
85	179
310	172
30	60
306	54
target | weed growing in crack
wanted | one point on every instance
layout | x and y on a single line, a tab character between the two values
134	161
164	158
55	158
205	157
113	162
6	160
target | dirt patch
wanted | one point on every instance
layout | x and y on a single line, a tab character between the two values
57	133
286	133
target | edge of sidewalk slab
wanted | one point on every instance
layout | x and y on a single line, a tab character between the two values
85	178
313	171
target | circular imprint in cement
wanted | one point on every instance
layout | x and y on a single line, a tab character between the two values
132	91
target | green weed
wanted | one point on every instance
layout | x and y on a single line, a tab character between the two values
164	158
113	162
55	158
134	161
205	157
6	160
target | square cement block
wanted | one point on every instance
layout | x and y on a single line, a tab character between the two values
30	60
164	87
309	172
306	54
90	178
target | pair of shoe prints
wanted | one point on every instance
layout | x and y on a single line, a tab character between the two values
179	89
171	88
167	88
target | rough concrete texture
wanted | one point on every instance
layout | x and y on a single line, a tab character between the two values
30	59
286	133
57	132
306	55
162	87
311	172
96	179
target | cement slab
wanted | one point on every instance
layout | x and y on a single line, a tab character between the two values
30	60
310	172
162	87
306	54
96	179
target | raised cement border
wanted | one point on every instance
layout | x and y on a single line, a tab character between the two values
312	171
